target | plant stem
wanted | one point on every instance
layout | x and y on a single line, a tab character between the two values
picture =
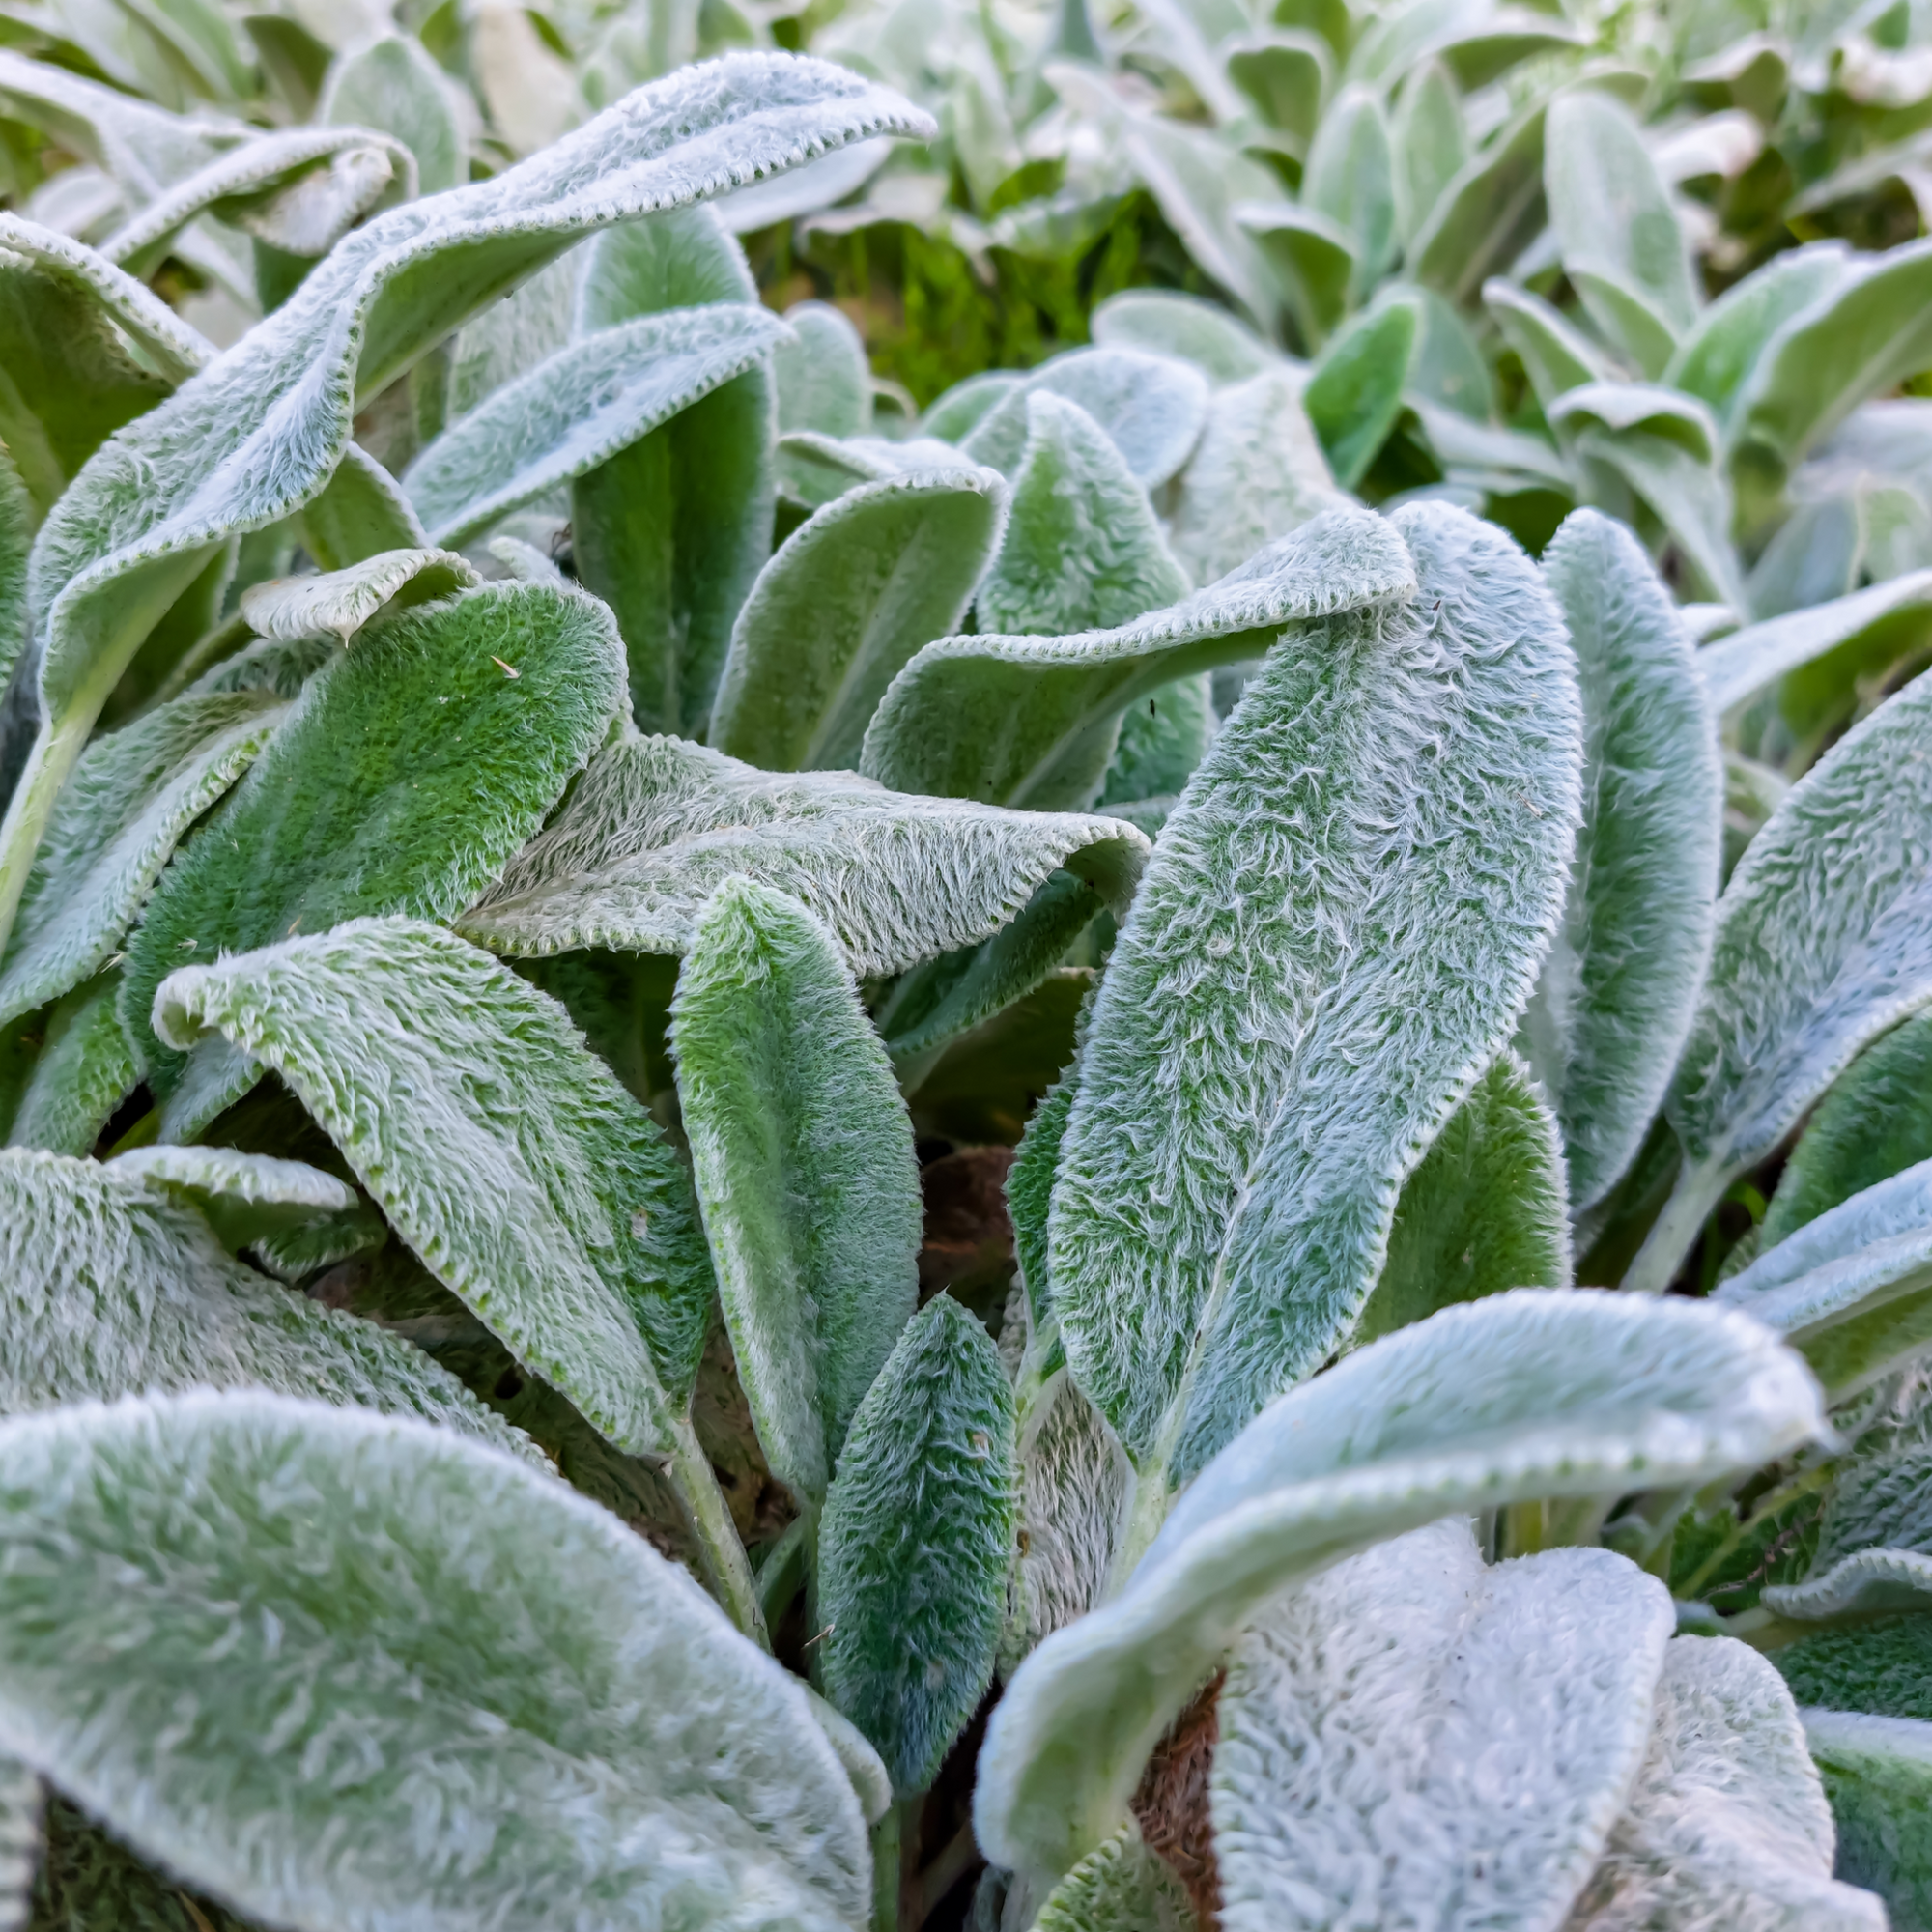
895	1900
787	1563
1146	1514
1698	1190
55	753
710	1518
1780	1498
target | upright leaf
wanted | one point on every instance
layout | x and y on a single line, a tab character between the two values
914	1547
1431	145
569	1716
821	375
393	85
82	1072
854	592
23	1799
1351	178
1489	212
495	1146
1621	981
1354	395
655	825
1213	1234
1555	356
401	782
803	1157
1539	1393
1878	1773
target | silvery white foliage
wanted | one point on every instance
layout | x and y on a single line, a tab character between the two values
343	601
1535	1393
500	1150
83	1072
1650	406
244	1196
1739	665
113	1284
597	396
1621	981
1263	1070
1154	408
815	468
1124	1886
278	666
863	1765
21	1798
512	336
133	794
1034	721
1878	1771
1257	473
822	378
1727	1824
654	825
1164	323
1851	1288
1416	1740
518	1710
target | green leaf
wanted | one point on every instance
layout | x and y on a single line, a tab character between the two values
1163	321
83	1073
915	1542
1211	1241
495	1146
1471	1729
391	84
133	794
1257	473
954	414
567	1715
1689	495
1120	1887
1032	722
1354	394
822	378
673	531
1310	256
277	666
1082	549
18	516
1485	1210
343	601
242	1196
853	593
1160	746
655	825
22	1799
1151	407
570	414
401	781
1875	1122
1431	145
1486	216
360	513
114	1285
1555	356
803	1158
1726	1821
1029	1194
1616	407
1878	1773
813	470
1540	1393
1622	979
1623	248
1351	177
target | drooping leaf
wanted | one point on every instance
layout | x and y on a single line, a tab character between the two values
1354	394
1032	722
1416	1736
1312	257
915	1542
568	415
393	85
83	1072
114	1285
1257	473
401	781
495	1146
1485	1210
821	375
552	1693
1726	1821
1082	549
1123	1885
655	825
1163	321
812	468
803	1158
242	1196
1618	989
1212	1243
1537	1393
343	601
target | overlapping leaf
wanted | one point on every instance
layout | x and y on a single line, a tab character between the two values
81	1072
343	601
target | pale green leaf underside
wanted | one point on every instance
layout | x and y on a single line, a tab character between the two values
1161	321
1263	1070
815	468
133	793
1540	1393
497	1146
655	825
114	1285
244	1196
1416	1738
1033	721
1121	1887
1878	1773
803	1158
343	601
593	398
509	1700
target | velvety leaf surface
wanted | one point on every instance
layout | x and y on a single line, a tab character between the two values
83	1072
1354	394
1119	1886
914	1545
134	792
1262	1071
1618	989
1491	210
1416	1738
853	593
1556	357
114	1285
343	601
532	1700
1032	722
1878	1774
242	1196
21	1801
392	84
401	781
496	1145
655	825
803	1157
1539	1393
822	378
1030	1193
1163	321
